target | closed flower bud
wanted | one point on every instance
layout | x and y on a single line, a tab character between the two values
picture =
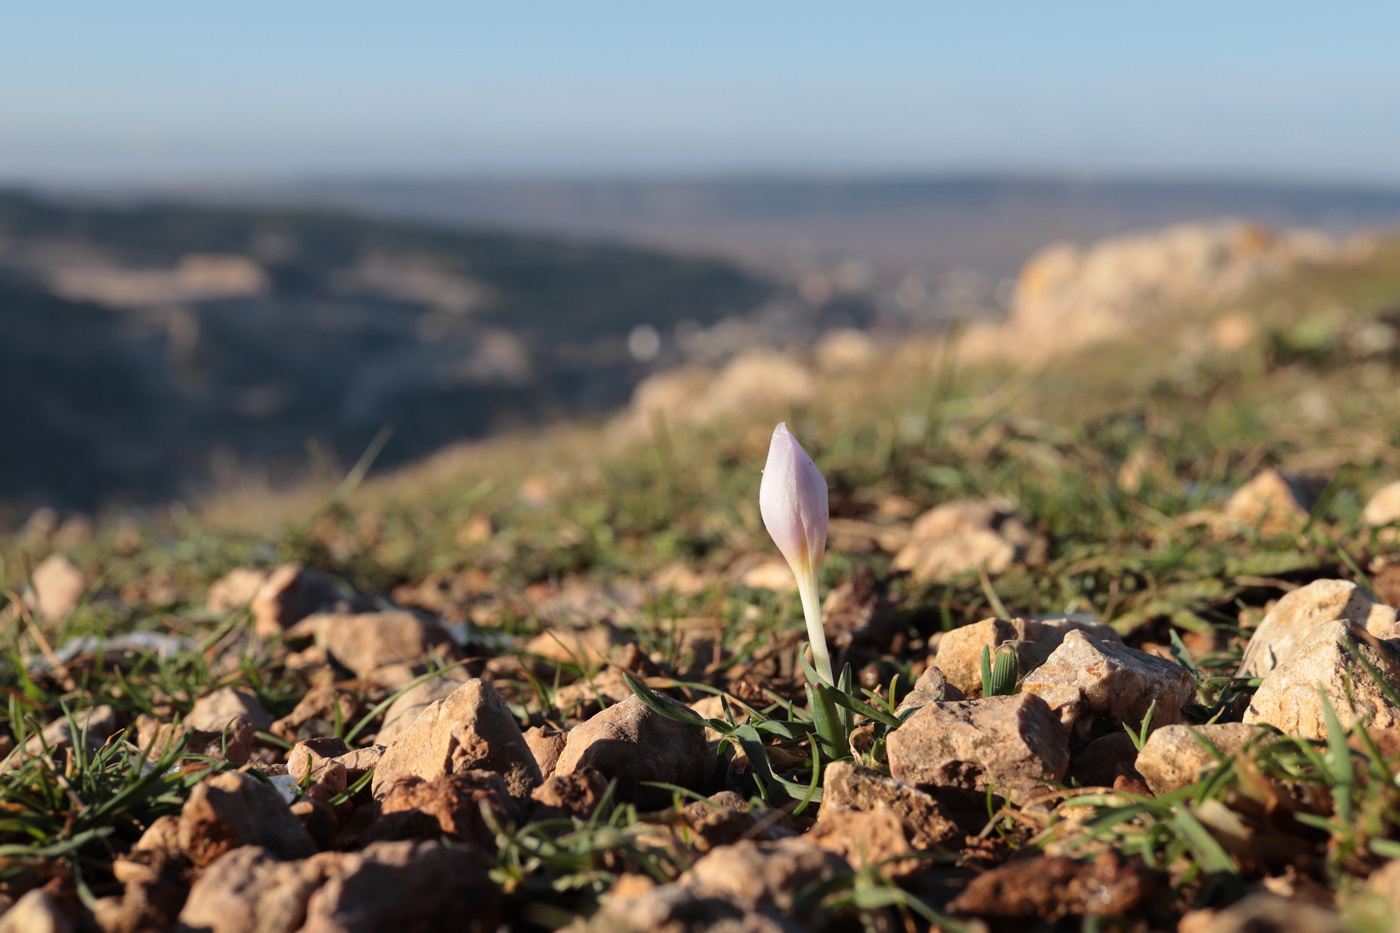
793	501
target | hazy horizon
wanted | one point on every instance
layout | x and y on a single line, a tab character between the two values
158	92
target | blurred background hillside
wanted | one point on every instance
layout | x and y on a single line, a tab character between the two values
237	243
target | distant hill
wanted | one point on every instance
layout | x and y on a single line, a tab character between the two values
987	223
148	347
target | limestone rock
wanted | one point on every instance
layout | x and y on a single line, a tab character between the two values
963	537
38	911
725	818
214	710
289	594
562	796
235	590
1049	888
848	787
380	646
316	760
683	908
959	654
857	613
472	729
317	713
406	886
232	742
230	810
1263	912
1293	618
448	806
584	648
1096	687
360	760
94	724
1276	501
411	703
57	587
1108	761
1288	698
249	888
775	873
1383	508
632	744
1175	756
932	685
1011	743
546	745
1068	296
872	840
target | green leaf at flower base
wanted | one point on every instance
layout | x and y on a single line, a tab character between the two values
671	709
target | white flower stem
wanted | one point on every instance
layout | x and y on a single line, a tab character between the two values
812	610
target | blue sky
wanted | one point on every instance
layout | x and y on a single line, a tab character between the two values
150	90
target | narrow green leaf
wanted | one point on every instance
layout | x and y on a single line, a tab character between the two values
671	710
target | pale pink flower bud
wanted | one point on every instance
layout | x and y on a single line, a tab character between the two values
792	500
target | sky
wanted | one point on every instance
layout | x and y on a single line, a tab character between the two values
149	91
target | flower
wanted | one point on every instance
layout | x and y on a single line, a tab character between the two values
793	501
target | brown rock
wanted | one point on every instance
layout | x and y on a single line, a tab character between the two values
1263	912
1175	756
568	795
230	810
960	650
236	589
411	703
857	613
94	725
932	685
39	911
162	836
962	537
214	710
1105	762
1014	744
872	840
770	873
360	760
1383	508
472	729
1051	888
631	744
682	908
289	594
448	806
584	648
319	820
1276	501
406	886
379	646
314	760
546	745
1288	698
849	788
233	743
725	818
317	713
250	889
1293	618
57	587
1097	687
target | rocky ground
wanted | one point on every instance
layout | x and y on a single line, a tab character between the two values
1122	640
